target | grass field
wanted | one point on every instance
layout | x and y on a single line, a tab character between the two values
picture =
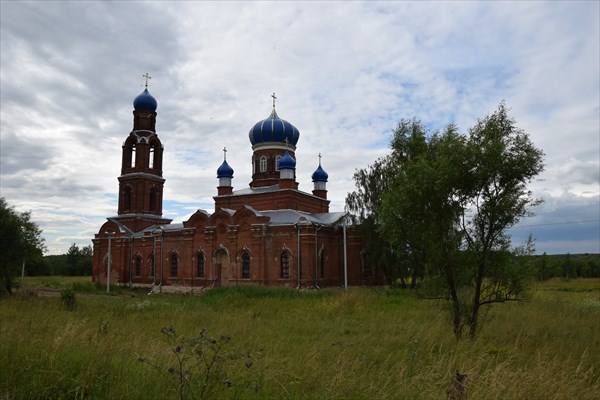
285	344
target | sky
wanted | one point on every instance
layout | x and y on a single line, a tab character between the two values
344	73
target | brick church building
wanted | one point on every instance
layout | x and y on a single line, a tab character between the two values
270	233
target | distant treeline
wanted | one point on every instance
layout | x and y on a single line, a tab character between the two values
77	262
567	266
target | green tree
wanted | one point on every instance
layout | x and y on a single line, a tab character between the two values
363	204
421	211
20	240
79	261
73	256
451	199
502	162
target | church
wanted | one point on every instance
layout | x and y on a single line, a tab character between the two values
270	233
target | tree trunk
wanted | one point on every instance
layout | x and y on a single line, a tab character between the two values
413	280
473	319
457	325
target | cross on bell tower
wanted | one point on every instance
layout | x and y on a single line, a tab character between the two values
147	77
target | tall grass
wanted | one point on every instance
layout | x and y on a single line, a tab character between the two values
359	344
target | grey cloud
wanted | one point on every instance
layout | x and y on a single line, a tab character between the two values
345	73
22	155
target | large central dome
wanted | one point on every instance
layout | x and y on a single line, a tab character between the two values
274	130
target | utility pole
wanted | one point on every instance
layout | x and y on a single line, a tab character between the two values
109	264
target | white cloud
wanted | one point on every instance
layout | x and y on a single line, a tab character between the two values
344	74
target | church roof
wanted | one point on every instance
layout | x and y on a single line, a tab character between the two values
274	129
319	175
290	217
145	101
225	171
287	162
287	217
251	190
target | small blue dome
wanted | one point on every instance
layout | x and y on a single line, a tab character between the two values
319	175
287	162
145	101
274	129
225	171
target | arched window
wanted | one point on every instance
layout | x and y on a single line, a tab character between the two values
151	269
200	265
277	163
152	199
285	266
174	263
263	164
138	266
151	157
127	199
133	156
245	265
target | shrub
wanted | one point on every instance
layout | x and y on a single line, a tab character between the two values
67	297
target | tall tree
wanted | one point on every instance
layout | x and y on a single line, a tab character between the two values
502	162
363	204
451	199
20	240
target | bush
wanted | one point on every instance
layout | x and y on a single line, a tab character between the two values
67	297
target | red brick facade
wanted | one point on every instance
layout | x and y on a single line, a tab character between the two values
267	234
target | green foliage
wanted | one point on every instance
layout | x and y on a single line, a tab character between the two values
67	297
566	266
20	240
443	208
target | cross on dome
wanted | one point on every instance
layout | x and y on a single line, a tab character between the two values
147	77
319	158
274	98
225	153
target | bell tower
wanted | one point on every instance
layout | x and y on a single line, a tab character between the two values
141	181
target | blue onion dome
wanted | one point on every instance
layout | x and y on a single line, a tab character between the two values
274	129
319	175
287	162
145	101
225	171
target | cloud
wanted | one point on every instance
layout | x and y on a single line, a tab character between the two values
344	75
564	223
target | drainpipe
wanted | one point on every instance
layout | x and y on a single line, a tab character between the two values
109	234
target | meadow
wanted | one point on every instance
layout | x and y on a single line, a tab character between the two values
363	343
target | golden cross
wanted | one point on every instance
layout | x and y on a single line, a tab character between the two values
147	77
274	98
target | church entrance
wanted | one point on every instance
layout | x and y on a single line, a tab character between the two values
223	268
